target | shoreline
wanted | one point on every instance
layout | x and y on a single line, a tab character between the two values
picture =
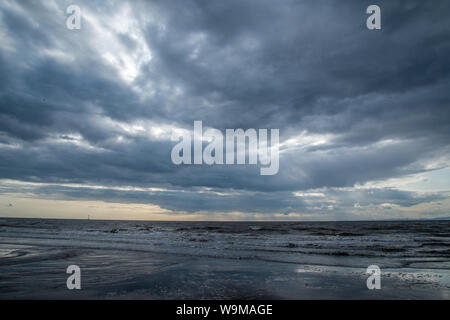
112	274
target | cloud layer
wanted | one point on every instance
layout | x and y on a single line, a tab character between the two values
102	106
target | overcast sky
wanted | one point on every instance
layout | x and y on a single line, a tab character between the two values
88	118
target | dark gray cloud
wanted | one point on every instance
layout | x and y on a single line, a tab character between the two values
352	105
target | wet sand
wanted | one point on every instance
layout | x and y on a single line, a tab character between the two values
33	272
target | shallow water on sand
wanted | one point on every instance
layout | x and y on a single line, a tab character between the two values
201	260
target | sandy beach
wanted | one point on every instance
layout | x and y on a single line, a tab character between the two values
192	260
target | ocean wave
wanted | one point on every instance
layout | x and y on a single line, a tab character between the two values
290	242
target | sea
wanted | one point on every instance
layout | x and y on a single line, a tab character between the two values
224	260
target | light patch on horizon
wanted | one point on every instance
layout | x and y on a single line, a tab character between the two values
73	209
436	180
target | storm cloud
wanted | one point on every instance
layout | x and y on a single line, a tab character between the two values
103	106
